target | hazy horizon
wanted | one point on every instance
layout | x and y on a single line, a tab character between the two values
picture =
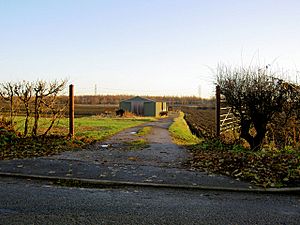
158	47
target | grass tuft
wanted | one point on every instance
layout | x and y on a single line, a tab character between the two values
135	145
144	131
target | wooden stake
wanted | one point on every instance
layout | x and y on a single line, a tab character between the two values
71	111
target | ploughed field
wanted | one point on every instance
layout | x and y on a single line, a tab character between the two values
200	120
89	109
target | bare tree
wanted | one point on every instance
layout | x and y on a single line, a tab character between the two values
36	98
55	109
43	90
7	93
24	91
255	95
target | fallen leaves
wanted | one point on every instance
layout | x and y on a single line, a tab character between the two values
267	169
13	147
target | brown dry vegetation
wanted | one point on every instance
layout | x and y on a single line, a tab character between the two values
269	167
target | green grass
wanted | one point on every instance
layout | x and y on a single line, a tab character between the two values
93	128
181	133
144	131
87	130
136	145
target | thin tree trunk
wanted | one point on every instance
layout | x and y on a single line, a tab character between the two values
26	119
11	111
50	127
36	116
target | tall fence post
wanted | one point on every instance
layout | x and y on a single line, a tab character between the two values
218	110
71	110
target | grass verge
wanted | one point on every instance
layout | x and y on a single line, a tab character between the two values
181	133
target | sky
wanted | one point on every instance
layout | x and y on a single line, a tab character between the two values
145	47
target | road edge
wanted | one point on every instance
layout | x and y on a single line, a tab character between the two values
92	183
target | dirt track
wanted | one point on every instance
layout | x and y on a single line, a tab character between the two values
160	152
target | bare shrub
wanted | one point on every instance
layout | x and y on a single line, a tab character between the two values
257	97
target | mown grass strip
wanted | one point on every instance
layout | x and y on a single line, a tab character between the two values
181	133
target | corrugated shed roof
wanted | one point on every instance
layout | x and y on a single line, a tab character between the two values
138	99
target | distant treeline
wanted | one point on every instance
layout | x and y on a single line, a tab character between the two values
114	100
171	100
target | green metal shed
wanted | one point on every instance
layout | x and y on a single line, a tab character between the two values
143	106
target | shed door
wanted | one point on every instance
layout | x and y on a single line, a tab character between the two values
137	108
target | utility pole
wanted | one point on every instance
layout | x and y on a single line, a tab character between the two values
199	90
95	89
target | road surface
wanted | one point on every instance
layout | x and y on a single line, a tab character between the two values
32	202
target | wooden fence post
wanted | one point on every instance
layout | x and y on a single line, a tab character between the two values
71	110
218	110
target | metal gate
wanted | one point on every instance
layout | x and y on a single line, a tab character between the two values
225	119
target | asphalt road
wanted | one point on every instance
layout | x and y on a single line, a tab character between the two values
31	202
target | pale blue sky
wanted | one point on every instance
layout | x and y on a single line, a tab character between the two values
144	47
